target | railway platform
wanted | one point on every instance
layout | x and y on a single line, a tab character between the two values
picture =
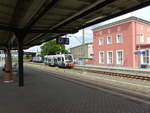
118	80
45	92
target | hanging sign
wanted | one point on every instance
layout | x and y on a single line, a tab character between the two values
62	40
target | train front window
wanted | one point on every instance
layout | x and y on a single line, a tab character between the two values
59	59
68	57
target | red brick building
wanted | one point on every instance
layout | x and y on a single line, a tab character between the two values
122	43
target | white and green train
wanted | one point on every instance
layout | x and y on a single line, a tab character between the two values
60	60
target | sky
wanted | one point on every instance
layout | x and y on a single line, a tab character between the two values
76	39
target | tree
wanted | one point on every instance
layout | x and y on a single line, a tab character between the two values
51	48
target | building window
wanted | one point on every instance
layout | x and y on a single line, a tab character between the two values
118	28
141	27
100	33
119	38
145	57
96	34
109	31
109	40
119	57
101	57
141	38
148	38
82	51
109	57
101	41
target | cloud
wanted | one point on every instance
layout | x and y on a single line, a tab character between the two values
34	49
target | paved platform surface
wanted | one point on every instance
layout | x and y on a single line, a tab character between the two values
44	93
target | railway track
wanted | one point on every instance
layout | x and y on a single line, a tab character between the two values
133	76
112	73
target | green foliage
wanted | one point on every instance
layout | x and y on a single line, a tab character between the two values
51	48
39	55
27	57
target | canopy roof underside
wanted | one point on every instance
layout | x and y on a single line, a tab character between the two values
37	21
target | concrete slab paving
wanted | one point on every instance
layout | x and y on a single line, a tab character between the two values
44	93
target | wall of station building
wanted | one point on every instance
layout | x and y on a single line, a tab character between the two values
83	53
131	36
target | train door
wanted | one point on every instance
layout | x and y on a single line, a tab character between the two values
49	61
60	61
52	61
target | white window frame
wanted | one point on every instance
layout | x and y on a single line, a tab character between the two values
108	59
118	28
109	31
117	62
101	41
148	38
101	32
141	38
100	57
117	38
108	42
145	57
142	28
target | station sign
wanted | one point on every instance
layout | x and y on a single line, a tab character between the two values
91	54
140	52
62	41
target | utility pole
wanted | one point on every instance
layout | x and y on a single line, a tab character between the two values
83	43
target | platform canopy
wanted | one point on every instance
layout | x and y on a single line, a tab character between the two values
37	21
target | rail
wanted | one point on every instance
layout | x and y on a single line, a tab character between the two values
128	73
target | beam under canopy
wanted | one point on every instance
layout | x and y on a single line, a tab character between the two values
142	5
42	10
80	14
95	6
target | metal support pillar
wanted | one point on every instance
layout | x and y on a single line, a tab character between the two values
20	62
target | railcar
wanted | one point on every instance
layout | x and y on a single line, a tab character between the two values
45	60
37	59
65	60
60	60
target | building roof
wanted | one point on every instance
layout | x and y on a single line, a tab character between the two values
82	45
130	19
37	21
